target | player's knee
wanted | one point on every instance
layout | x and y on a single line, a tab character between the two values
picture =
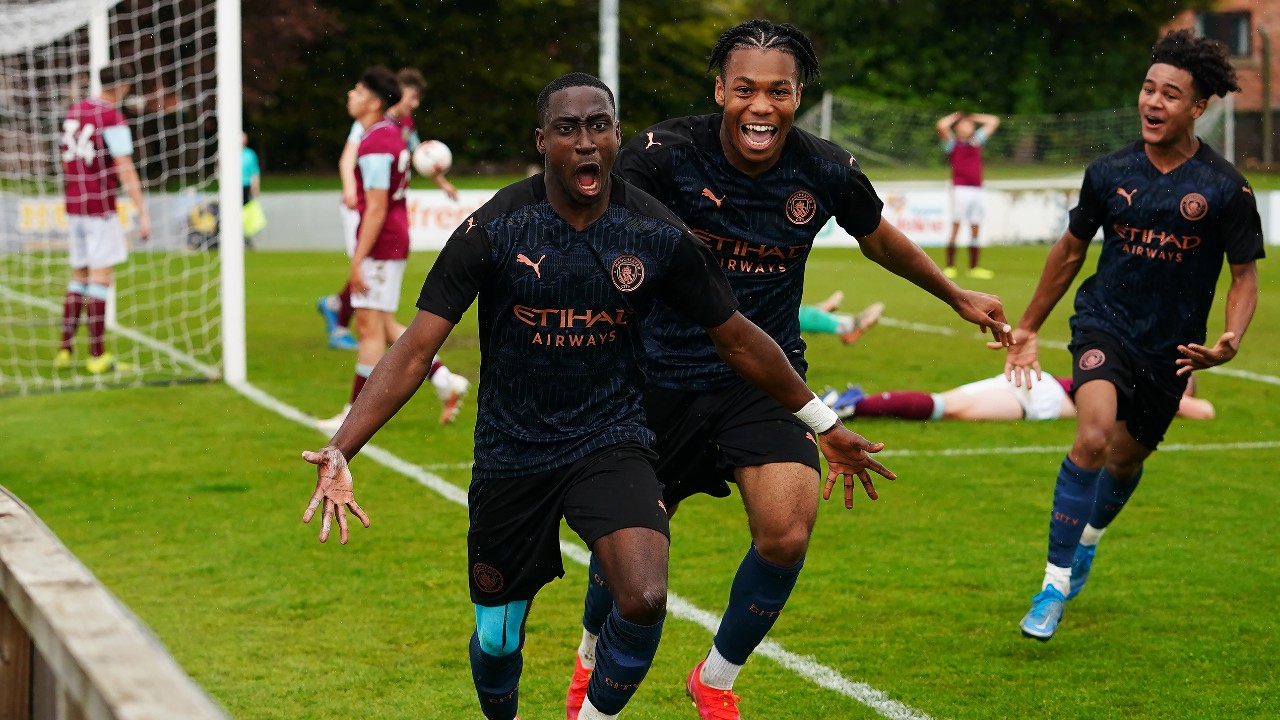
784	547
1091	444
500	629
644	604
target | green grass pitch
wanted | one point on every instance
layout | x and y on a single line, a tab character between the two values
187	501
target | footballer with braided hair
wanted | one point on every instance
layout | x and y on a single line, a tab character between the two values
1171	211
757	191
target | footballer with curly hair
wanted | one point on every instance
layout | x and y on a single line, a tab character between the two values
1171	209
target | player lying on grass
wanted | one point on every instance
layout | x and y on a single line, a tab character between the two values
566	264
996	398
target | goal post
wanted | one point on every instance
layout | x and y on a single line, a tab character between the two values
177	308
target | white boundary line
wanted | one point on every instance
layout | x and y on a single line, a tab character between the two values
204	369
1059	345
804	666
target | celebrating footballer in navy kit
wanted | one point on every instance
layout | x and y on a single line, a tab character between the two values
1170	210
565	266
758	191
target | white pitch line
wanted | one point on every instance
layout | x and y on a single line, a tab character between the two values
802	665
187	359
1059	345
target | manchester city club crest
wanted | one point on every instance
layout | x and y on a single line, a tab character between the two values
1092	358
1193	206
628	272
487	578
801	207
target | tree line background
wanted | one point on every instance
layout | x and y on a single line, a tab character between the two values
486	60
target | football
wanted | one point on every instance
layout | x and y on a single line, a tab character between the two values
431	157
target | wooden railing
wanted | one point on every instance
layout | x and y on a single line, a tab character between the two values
69	650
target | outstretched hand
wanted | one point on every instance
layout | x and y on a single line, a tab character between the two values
846	453
985	311
1199	357
1022	359
334	487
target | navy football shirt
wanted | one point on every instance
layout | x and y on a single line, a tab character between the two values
760	229
559	315
1164	237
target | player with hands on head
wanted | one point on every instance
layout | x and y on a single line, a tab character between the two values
1171	210
963	134
565	265
758	190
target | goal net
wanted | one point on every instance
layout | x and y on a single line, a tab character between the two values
163	317
884	134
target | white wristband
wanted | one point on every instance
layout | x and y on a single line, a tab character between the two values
817	415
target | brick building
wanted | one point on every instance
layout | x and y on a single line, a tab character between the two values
1247	27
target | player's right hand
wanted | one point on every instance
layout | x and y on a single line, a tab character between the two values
1022	358
356	280
144	226
846	454
335	488
349	198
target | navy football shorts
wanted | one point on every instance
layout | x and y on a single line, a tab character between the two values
513	543
703	436
1147	393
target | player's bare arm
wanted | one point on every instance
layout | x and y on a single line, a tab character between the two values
443	183
128	175
758	359
890	248
1242	301
1065	259
371	221
988	123
347	171
943	126
394	380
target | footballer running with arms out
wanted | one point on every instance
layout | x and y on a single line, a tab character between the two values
565	264
758	191
1170	210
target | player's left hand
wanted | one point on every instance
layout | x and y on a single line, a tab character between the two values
984	310
1199	357
333	486
846	454
447	187
144	226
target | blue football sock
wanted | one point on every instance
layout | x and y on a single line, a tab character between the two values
497	678
759	591
1072	505
624	653
1112	495
598	602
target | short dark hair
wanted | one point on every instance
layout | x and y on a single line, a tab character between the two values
569	80
411	78
112	75
382	83
767	36
1206	60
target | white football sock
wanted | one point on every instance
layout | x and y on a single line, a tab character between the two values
440	378
718	672
1091	535
589	712
587	650
1059	577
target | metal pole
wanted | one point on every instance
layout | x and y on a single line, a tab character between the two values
609	46
1268	142
230	221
